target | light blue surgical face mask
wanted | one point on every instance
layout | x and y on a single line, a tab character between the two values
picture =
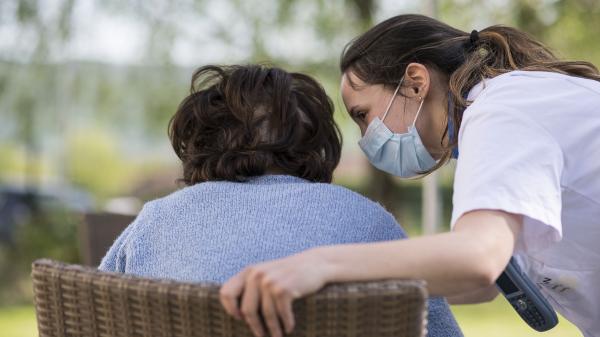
400	154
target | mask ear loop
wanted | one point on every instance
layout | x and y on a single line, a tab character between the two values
418	112
392	100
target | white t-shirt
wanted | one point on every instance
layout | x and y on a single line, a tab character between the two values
530	144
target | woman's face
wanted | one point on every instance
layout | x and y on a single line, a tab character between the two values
365	101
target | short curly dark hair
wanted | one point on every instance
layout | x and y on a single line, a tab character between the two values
241	121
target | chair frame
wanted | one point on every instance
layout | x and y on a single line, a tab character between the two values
74	300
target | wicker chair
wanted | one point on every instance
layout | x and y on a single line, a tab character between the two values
73	300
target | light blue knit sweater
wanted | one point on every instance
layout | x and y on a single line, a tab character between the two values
210	231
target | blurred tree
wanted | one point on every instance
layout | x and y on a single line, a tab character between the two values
140	99
35	37
153	90
381	186
95	164
575	30
569	27
48	100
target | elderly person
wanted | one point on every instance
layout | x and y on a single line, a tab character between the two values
258	147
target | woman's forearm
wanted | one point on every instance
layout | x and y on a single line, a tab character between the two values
481	295
451	263
448	265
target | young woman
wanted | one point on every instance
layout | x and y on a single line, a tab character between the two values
525	128
258	147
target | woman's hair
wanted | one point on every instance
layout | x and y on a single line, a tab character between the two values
243	121
381	55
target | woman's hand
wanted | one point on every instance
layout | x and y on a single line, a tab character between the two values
270	288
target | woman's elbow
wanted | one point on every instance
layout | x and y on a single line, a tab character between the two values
491	262
488	275
494	234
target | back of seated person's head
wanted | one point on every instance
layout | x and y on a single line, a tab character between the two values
244	121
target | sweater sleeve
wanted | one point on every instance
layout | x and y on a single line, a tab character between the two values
381	224
115	259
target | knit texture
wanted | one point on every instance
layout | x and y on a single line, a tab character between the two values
212	230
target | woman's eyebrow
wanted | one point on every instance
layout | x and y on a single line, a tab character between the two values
354	85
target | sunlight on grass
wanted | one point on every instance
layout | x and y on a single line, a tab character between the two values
498	319
18	321
495	319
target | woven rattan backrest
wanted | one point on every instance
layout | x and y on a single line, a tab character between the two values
73	300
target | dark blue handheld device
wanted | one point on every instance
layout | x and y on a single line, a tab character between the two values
526	298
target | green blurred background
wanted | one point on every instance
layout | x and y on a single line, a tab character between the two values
87	88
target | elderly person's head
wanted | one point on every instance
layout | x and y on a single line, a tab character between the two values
245	121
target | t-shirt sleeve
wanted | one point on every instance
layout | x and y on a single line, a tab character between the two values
509	162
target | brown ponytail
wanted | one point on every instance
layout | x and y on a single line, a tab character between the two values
502	49
380	56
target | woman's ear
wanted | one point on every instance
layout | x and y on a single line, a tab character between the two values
417	80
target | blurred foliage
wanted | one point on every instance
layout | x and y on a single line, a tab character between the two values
575	32
50	233
95	124
569	27
12	161
95	164
15	161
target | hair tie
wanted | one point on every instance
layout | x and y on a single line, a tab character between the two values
473	38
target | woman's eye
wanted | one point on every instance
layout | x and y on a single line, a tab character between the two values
361	115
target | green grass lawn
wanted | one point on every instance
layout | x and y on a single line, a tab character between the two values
495	319
498	319
17	322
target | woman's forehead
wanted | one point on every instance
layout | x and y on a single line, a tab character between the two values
352	81
354	90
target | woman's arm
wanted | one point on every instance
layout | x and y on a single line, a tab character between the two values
481	295
470	257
